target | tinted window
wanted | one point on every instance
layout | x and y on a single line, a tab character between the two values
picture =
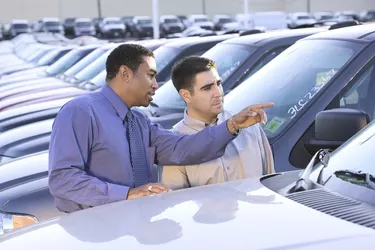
197	20
292	80
360	95
20	26
84	24
67	61
52	23
144	21
171	20
113	22
164	55
94	68
51	57
228	58
85	62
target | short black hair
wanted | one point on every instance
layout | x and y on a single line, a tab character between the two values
129	55
184	71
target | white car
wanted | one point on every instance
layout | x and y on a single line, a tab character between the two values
257	213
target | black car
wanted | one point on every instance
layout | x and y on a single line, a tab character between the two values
166	56
328	70
236	59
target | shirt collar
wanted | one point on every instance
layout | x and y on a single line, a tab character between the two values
118	104
197	124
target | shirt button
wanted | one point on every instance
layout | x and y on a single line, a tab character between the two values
228	167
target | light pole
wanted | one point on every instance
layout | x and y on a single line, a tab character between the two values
155	17
99	6
246	12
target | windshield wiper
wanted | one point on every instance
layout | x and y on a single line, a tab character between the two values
360	178
304	183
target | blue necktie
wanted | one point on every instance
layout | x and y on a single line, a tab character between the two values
137	152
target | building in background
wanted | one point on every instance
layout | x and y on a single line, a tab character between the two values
35	9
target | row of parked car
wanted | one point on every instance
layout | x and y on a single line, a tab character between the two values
177	25
322	81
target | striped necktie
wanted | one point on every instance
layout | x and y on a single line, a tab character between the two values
138	157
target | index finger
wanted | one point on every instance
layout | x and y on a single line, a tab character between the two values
262	106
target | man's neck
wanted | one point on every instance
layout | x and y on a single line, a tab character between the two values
123	96
206	119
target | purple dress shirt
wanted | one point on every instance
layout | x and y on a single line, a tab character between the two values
89	162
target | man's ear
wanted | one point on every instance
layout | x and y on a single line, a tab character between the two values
125	73
185	95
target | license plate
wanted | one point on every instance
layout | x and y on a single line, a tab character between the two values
116	33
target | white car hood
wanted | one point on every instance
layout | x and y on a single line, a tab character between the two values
28	74
235	215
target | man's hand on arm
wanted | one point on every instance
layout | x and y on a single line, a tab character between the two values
147	190
248	116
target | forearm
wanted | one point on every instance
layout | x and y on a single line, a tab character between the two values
75	185
203	146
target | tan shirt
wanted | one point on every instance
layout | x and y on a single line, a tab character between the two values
246	156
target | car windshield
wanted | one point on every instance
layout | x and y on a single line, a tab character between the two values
171	20
224	20
51	57
201	19
355	155
52	24
84	24
228	57
66	61
292	80
20	26
94	68
164	55
113	22
85	62
144	21
99	80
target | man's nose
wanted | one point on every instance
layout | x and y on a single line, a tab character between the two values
217	91
155	84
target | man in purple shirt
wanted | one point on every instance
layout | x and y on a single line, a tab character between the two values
103	151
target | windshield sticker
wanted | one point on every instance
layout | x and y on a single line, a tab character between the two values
274	124
322	79
230	70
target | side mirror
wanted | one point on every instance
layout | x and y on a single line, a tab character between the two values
334	127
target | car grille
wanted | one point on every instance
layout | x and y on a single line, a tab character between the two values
337	205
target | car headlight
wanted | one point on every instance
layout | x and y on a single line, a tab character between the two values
10	222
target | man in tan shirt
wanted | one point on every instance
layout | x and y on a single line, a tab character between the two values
199	85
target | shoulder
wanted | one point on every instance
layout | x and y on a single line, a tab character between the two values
83	103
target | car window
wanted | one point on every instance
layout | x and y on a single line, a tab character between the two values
94	68
292	80
85	62
51	57
164	55
67	61
228	57
360	95
269	56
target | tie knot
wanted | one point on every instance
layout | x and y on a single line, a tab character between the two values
129	116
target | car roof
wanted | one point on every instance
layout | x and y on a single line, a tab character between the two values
364	32
262	38
185	42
